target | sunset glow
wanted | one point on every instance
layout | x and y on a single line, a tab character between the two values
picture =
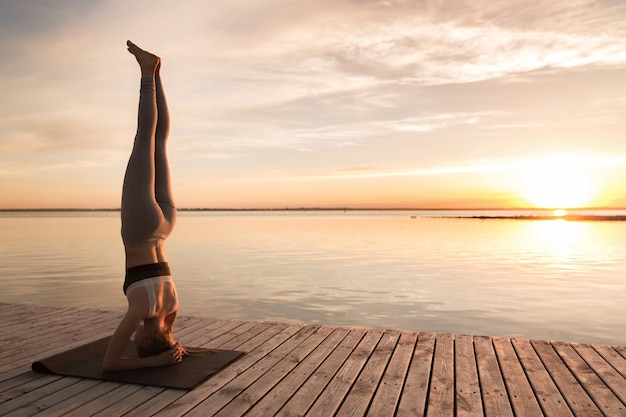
558	182
332	103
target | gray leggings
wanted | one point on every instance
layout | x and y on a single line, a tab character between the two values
148	210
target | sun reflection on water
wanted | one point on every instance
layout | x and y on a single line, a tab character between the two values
560	235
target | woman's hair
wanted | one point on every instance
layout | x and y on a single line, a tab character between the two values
160	342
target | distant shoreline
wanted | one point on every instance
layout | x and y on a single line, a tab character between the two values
567	217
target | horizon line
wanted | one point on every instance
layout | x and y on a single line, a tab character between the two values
25	209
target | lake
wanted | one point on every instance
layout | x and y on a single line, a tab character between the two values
413	270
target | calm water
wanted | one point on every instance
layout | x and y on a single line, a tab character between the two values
539	279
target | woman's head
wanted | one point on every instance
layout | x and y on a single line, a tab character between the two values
150	341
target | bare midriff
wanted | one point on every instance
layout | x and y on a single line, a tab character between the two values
144	256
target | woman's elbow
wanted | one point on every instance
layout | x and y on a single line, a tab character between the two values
108	366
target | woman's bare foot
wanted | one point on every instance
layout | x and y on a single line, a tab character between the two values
147	62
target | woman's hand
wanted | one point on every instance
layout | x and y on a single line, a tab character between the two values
172	356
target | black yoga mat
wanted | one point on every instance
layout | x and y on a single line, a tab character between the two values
86	362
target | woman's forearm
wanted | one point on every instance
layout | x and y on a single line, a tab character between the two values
126	364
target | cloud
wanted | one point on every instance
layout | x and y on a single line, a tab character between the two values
435	41
500	166
449	52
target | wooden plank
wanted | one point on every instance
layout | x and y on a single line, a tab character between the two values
23	314
304	398
221	331
153	405
58	317
23	384
390	389
195	327
257	347
219	399
45	402
616	360
441	392
468	400
96	405
30	330
414	395
606	400
18	326
16	380
333	395
77	397
495	396
256	390
548	395
61	341
243	338
521	395
12	373
4	305
17	403
260	338
9	307
231	333
192	327
282	392
358	399
575	396
130	403
609	375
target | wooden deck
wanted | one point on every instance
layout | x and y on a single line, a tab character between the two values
297	370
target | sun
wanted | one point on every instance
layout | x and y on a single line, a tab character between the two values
558	182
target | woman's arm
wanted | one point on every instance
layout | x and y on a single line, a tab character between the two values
114	359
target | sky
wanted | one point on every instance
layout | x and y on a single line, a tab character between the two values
326	103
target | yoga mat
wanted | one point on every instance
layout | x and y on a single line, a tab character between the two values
86	362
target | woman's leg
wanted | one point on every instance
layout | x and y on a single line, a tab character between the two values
141	215
163	185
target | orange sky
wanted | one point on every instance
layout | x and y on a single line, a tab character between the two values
338	103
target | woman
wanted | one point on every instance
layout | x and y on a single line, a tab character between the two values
148	217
